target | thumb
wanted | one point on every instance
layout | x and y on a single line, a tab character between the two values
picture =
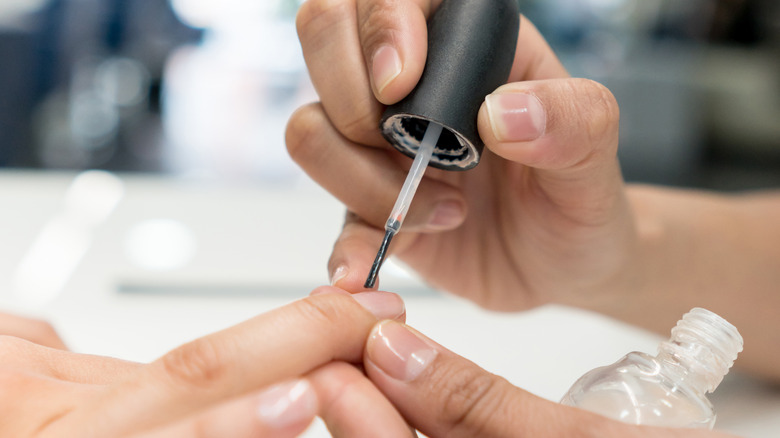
444	395
566	130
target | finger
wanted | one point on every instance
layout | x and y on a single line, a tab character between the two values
353	253
355	250
329	38
351	406
346	400
384	305
444	395
340	166
279	345
283	410
395	43
567	131
33	330
22	355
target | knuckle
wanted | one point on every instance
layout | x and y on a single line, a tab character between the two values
323	311
302	133
310	126
470	399
195	365
336	382
362	126
601	108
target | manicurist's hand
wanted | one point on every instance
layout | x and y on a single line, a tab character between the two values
444	395
266	377
543	217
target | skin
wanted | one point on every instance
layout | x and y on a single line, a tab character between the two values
542	220
207	388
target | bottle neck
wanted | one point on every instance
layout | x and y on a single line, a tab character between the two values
702	348
685	372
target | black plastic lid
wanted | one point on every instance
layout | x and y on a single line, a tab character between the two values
471	47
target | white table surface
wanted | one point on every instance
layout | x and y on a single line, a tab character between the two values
259	246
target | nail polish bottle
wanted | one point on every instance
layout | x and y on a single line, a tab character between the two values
668	389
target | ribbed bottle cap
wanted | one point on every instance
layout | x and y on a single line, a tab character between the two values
707	343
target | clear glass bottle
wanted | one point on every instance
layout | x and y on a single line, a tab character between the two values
669	389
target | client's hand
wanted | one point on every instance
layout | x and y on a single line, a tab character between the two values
268	376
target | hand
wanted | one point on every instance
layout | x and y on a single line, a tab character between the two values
268	376
444	395
544	217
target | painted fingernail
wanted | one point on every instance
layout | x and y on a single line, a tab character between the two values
286	404
446	215
339	274
516	116
384	305
398	352
385	66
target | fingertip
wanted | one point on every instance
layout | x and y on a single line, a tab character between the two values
392	77
386	65
288	407
383	305
353	253
348	279
511	121
550	124
399	352
395	42
352	406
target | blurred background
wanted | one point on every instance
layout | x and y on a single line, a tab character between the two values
199	88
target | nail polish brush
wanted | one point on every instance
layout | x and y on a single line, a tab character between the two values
471	47
401	207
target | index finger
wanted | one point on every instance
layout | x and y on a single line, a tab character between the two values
279	345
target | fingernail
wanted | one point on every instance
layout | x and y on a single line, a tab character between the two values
384	305
339	274
398	352
385	66
287	404
446	215
516	116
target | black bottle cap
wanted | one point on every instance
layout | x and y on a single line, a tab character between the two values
471	47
